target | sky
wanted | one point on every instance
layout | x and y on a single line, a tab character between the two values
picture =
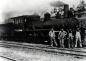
12	8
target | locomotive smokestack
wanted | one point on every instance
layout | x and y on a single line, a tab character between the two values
66	9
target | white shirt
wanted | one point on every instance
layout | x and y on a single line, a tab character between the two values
52	33
78	34
70	35
62	34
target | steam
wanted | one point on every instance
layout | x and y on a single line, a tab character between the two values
25	7
13	8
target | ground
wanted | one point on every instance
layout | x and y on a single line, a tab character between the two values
27	54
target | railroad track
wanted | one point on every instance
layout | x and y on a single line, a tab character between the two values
46	48
8	59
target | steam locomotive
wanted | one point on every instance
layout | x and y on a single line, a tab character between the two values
32	28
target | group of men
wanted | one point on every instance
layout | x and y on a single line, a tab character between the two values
62	35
